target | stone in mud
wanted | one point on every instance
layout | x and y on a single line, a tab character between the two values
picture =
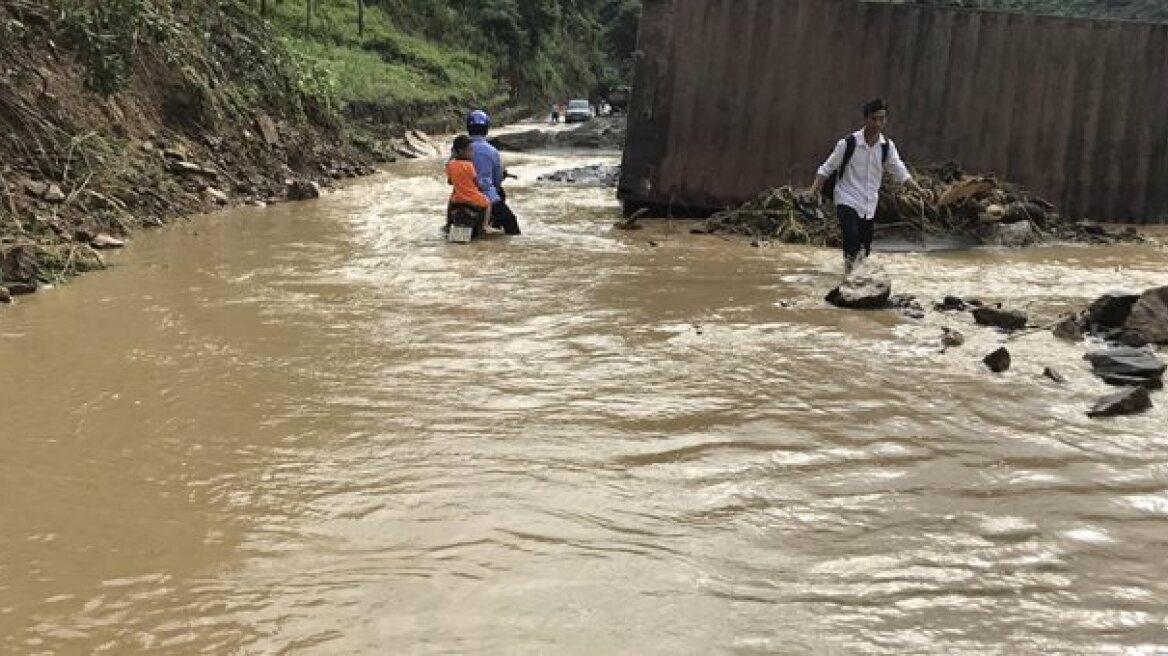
1014	235
104	242
19	263
951	304
1149	316
1111	310
268	131
1128	364
21	288
951	338
54	194
1055	375
215	196
1128	402
1008	320
184	167
1069	328
998	361
861	293
35	188
303	190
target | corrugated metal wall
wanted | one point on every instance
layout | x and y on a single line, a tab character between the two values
733	96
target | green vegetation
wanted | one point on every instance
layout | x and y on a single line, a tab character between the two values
1154	10
461	51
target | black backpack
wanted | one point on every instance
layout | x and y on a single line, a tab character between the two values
828	190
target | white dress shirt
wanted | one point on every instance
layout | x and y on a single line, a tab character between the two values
859	186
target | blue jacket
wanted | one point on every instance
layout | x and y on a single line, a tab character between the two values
488	167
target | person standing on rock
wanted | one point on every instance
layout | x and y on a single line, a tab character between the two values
489	169
853	173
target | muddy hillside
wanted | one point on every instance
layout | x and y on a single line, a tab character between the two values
121	115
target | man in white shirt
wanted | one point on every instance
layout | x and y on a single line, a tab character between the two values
857	167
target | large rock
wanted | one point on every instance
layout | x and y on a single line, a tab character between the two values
861	293
1000	318
303	190
19	263
1111	310
5	296
998	361
1069	328
1149	316
1127	366
21	288
1014	235
1127	402
524	141
105	242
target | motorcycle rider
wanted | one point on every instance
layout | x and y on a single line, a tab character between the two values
490	171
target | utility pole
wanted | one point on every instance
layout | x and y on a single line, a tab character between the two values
360	17
308	15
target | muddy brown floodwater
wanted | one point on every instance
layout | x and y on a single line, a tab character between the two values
317	429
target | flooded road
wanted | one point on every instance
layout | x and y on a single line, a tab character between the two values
317	429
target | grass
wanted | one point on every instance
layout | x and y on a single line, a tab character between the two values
384	64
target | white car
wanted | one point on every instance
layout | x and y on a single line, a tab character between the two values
578	110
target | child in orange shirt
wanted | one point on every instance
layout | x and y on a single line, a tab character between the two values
467	198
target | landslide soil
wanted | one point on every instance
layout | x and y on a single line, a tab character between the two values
212	113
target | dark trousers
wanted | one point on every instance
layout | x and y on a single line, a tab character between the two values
857	232
503	217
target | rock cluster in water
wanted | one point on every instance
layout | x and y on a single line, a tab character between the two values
1127	325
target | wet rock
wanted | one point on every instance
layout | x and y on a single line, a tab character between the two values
1128	402
303	190
1149	316
914	313
1131	338
951	304
105	242
998	361
1121	380
5	296
1069	328
1055	375
35	188
54	194
1126	366
19	263
183	167
1007	320
21	288
1111	310
861	293
215	196
951	338
523	141
1014	235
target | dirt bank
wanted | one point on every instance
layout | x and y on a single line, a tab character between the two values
114	118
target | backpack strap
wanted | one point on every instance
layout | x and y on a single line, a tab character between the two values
849	151
886	148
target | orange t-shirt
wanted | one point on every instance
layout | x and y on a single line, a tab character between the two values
461	173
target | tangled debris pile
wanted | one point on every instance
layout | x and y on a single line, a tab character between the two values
980	208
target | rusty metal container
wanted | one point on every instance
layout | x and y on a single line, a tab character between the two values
733	96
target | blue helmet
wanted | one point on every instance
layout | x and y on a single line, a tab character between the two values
478	118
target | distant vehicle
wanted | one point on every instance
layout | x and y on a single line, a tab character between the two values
578	110
618	98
